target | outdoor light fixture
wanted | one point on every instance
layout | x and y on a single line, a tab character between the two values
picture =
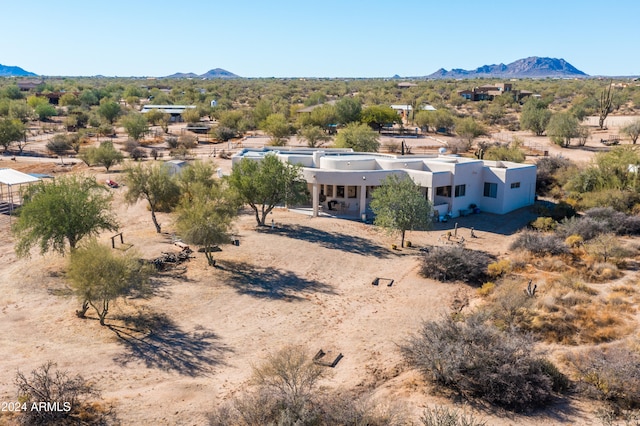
364	178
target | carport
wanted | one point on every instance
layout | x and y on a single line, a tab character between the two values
11	182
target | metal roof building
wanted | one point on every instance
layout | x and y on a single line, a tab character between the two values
11	182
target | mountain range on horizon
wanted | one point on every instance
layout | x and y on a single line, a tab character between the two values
211	74
12	71
531	67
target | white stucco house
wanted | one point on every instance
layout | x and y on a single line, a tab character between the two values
343	180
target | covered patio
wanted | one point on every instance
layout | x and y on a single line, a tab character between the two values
11	183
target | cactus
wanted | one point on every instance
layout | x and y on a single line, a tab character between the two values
604	107
531	291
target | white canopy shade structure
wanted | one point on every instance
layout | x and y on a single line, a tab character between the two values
11	182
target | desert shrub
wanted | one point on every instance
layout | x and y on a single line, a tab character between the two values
615	221
544	224
290	375
327	408
458	146
585	227
59	145
287	394
499	268
477	360
567	312
444	416
138	154
602	272
539	243
574	241
188	140
172	142
562	210
130	145
509	303
391	147
454	263
609	374
486	289
73	396
607	247
620	200
224	133
350	409
548	169
154	153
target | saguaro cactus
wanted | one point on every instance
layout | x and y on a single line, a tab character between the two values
604	107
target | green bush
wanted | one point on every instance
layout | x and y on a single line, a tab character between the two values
544	224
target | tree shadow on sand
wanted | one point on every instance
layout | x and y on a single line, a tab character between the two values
157	341
270	283
333	241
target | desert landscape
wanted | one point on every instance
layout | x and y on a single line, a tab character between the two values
191	346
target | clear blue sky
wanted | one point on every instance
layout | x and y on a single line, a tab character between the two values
302	38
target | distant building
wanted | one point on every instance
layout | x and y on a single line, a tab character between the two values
175	166
489	92
340	179
175	111
29	84
405	110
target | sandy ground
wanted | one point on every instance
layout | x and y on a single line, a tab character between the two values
171	358
307	281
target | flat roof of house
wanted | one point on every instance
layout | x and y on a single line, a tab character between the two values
170	109
14	177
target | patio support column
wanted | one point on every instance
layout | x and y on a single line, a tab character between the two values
363	199
315	198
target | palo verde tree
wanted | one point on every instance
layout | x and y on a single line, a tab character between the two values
469	129
276	126
154	184
11	130
100	275
265	183
106	155
563	127
358	137
313	135
62	212
535	116
400	206
632	130
377	116
109	110
135	125
205	218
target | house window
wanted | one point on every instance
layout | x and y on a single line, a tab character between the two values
329	190
351	191
491	190
340	191
444	191
515	185
460	190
